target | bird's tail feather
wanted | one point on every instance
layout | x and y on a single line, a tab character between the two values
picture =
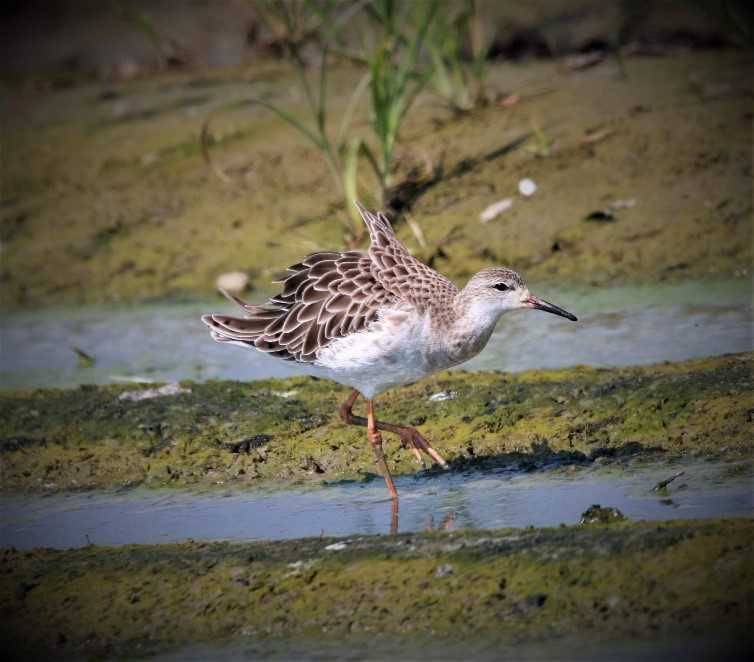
243	329
246	306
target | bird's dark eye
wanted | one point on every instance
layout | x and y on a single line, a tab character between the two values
501	287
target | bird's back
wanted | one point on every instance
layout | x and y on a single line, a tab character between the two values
407	279
331	295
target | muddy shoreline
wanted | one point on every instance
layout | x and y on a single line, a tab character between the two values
276	433
600	510
485	591
106	197
641	579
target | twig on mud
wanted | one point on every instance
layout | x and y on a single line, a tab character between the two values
416	229
663	484
204	145
441	244
593	137
85	360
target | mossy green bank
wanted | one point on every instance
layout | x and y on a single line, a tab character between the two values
287	431
642	579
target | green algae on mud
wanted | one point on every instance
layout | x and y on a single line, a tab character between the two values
106	197
636	579
87	437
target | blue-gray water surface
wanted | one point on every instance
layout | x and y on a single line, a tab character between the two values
445	646
446	501
617	326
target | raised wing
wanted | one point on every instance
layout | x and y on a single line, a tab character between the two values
399	273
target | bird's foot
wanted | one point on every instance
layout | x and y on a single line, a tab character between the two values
418	443
410	443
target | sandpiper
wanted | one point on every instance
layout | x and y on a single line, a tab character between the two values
374	320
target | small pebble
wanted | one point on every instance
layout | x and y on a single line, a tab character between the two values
596	514
442	395
532	602
336	547
584	60
148	159
168	389
527	187
603	215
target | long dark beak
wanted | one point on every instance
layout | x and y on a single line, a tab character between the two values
533	302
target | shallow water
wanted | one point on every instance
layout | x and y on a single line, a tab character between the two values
444	646
617	326
447	501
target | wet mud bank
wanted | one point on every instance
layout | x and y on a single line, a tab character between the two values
634	579
280	433
106	196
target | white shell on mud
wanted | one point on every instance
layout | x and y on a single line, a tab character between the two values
442	395
147	394
527	187
336	546
235	281
495	209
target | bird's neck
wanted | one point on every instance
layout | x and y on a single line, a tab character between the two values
470	326
472	313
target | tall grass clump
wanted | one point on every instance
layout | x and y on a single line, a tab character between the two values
394	82
291	22
391	36
458	78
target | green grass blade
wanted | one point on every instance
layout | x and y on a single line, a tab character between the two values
349	179
409	59
131	14
321	108
365	151
350	109
296	124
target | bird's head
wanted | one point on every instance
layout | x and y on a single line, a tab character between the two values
493	292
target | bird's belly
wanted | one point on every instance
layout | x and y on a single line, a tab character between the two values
375	360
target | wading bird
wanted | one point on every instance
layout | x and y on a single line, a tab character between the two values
374	320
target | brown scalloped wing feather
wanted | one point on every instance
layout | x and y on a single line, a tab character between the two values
406	278
326	296
331	295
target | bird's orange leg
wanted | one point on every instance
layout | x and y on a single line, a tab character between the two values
410	435
376	440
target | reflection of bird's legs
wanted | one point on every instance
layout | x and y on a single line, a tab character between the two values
376	440
410	435
447	523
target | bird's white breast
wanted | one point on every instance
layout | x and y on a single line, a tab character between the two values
392	351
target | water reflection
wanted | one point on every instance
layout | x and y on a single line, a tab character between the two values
435	502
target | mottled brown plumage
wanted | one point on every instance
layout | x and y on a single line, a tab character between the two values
375	320
330	295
